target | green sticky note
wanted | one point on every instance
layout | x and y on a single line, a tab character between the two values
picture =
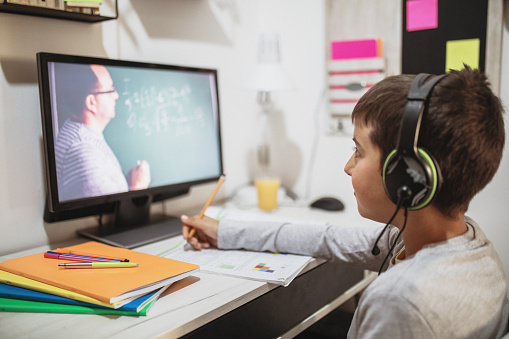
459	52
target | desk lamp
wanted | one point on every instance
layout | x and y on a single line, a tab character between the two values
268	76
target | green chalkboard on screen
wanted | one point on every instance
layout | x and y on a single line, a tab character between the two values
167	118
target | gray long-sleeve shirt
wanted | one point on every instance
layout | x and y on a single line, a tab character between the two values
452	289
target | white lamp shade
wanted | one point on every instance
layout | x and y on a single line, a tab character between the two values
268	74
267	77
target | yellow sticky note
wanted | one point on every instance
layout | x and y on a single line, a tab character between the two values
459	52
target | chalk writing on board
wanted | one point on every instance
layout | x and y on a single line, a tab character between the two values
152	109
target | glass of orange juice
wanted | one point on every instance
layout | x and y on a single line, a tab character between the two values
267	189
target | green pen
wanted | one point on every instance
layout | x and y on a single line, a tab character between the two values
98	264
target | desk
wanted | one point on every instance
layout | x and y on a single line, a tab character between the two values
206	305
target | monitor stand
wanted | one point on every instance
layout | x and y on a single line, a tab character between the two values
134	226
134	236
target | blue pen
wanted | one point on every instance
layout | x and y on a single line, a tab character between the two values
76	257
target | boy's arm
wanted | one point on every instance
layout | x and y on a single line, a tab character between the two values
350	244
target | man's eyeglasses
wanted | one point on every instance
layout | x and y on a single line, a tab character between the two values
105	92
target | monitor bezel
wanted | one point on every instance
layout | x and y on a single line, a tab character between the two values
57	210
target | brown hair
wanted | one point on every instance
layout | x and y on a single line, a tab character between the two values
463	129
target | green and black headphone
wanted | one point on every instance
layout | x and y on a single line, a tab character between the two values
411	176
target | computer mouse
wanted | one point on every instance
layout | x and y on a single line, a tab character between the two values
328	204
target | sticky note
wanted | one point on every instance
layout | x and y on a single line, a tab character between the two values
355	49
421	15
459	52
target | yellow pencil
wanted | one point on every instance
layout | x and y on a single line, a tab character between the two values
207	204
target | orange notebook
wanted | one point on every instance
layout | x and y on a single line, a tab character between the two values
106	284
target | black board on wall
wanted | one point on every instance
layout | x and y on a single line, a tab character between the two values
424	51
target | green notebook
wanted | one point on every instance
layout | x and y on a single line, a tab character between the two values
15	305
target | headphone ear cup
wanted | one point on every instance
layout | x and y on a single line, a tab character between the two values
419	174
434	178
390	176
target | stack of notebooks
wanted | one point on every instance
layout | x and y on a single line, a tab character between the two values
35	283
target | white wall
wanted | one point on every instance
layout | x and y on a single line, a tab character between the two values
220	34
491	207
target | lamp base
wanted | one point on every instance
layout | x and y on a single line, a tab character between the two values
263	153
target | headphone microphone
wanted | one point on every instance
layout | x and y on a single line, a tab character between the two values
402	197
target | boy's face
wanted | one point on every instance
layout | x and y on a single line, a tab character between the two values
364	168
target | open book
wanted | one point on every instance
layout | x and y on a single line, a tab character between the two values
273	268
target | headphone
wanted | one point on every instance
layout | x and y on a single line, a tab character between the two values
411	177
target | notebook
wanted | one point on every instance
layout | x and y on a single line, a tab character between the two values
109	285
14	292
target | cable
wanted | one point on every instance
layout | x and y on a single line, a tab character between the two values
314	147
376	250
395	242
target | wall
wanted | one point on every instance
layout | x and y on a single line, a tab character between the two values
490	207
220	34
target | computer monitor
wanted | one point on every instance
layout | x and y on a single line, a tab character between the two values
120	135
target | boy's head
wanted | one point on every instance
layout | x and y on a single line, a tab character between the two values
463	129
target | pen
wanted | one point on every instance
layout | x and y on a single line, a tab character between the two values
98	265
74	257
66	251
207	204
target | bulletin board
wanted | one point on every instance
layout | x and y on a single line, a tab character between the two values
415	35
387	19
439	35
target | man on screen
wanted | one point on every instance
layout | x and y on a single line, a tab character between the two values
86	165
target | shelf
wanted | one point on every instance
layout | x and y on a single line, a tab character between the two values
54	13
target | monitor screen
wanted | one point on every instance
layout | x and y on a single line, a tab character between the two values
119	135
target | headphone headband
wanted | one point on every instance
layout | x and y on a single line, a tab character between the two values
418	98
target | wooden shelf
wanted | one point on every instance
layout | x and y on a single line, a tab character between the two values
54	13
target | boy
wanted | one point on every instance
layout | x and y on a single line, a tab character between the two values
443	278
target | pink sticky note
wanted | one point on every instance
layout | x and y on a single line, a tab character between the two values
354	49
421	15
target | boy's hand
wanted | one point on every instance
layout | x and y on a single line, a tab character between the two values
205	235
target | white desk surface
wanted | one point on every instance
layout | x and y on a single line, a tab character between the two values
185	306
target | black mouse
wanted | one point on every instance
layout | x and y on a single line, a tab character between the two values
328	204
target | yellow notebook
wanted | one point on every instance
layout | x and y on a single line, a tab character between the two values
19	281
108	285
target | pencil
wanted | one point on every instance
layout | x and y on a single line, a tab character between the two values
207	204
98	265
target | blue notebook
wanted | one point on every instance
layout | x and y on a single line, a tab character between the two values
14	292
